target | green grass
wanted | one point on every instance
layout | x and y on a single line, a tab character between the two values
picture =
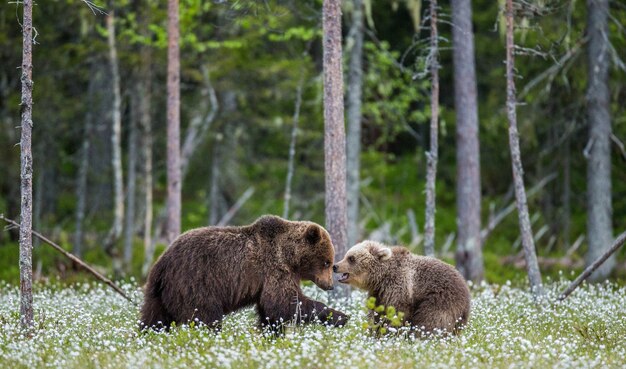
89	326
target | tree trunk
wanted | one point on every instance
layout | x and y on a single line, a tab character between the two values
567	194
214	191
599	207
173	123
354	100
83	171
116	137
334	133
131	181
199	125
292	147
534	275
469	255
146	142
26	176
432	155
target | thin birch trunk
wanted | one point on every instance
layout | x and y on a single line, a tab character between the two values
173	123
26	174
599	203
83	171
469	255
354	100
292	147
567	194
146	141
131	181
214	206
432	154
334	133
534	275
146	151
116	137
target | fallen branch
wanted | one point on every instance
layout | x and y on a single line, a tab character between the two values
235	208
620	145
495	220
619	241
73	258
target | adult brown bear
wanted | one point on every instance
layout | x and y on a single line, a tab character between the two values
212	271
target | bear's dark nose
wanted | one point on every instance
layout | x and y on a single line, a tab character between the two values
335	268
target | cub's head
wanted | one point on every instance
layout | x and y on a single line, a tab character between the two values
304	248
361	263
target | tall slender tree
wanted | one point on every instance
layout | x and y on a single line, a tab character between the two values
292	146
83	171
116	136
599	203
354	101
173	123
334	132
26	158
145	124
131	179
469	256
532	267
432	154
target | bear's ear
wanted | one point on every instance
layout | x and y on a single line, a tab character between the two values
313	234
381	252
269	226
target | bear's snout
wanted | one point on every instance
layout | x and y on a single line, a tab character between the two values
335	268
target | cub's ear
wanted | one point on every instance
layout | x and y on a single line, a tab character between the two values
270	226
381	252
313	234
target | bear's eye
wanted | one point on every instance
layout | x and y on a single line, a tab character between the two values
351	259
326	264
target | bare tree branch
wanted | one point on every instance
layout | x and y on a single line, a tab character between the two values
235	208
619	241
74	259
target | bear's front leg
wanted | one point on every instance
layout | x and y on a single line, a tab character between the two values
279	307
311	311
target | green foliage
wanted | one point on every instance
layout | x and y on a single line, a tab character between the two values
256	52
382	319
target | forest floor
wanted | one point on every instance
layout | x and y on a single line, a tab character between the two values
89	326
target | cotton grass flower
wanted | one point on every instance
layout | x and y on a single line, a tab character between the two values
87	325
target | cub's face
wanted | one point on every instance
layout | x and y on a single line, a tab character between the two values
316	257
360	262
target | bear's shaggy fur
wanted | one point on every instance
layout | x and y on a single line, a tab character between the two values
212	271
432	294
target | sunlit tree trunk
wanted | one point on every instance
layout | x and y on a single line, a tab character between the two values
532	267
292	147
145	123
26	176
432	155
354	101
116	137
599	207
334	132
173	123
469	256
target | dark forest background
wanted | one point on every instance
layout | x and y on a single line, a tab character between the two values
253	56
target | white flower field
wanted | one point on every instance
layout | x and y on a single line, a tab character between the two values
90	326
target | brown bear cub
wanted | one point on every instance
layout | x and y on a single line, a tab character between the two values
212	271
432	294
